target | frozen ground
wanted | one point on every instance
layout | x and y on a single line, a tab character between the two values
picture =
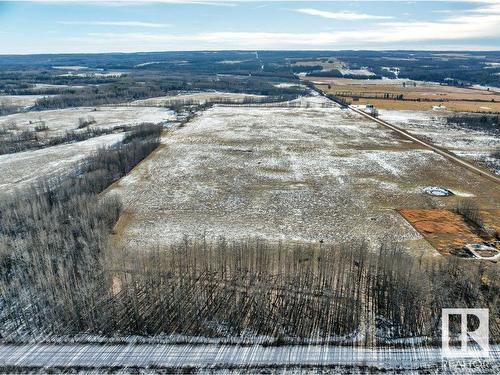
22	168
221	358
473	145
357	72
196	98
292	174
286	85
60	120
42	86
21	100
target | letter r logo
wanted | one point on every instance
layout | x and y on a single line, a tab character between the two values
479	347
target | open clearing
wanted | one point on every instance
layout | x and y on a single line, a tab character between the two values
457	106
471	144
196	98
60	120
289	174
21	100
20	169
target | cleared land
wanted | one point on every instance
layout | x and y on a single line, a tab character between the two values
196	98
61	120
416	95
20	169
290	174
474	145
453	105
444	229
20	100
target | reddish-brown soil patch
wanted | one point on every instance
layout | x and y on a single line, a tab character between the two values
443	229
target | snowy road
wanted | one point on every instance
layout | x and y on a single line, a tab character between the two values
94	356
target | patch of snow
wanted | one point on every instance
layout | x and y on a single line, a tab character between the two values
303	170
437	191
285	85
357	72
148	63
94	75
71	67
230	62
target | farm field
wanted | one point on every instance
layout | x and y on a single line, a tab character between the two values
419	95
310	174
471	144
60	120
459	106
21	169
21	100
195	98
453	105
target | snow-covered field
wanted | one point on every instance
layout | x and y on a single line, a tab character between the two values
474	145
41	86
356	72
305	174
20	169
286	85
60	120
198	98
21	100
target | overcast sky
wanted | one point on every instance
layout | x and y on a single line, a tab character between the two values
50	26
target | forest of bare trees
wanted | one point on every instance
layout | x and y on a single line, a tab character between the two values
52	238
246	289
127	90
6	107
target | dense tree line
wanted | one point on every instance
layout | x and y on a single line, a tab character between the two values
7	108
128	90
245	289
470	67
98	95
53	236
484	122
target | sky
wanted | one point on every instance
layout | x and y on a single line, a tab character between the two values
58	26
